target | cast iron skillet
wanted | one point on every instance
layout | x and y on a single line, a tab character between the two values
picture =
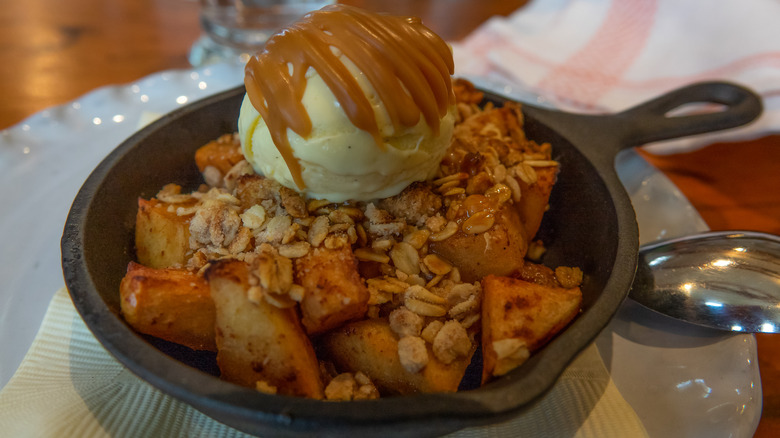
590	224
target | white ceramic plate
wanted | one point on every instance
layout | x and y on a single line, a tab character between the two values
681	380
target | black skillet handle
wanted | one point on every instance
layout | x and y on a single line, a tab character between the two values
601	137
650	121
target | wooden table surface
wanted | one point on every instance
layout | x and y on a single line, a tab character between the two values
51	54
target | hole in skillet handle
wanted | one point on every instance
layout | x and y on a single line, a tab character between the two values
689	109
663	118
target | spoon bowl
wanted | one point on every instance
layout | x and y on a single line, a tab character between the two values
728	280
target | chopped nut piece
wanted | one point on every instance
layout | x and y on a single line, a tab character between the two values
275	229
511	353
304	221
347	386
479	184
568	277
362	379
541	163
294	250
274	272
365	391
501	192
405	258
449	230
280	301
479	222
198	261
238	170
470	320
339	228
253	217
318	230
368	255
535	250
404	322
336	241
454	275
448	185
515	187
255	294
437	265
171	194
361	234
388	229
340	216
462	292
265	387
434	281
316	204
412	353
451	342
417	238
454	191
423	294
424	308
525	172
296	293
435	223
211	175
342	387
377	216
499	173
382	244
382	223
414	204
430	330
241	242
413	279
463	308
293	202
452	177
215	223
291	233
387	284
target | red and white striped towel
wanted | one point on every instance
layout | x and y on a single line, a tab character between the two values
602	56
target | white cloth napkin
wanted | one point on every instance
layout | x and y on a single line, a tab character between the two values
69	386
602	56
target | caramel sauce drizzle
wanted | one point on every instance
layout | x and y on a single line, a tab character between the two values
408	65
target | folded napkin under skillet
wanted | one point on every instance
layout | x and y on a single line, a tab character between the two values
68	385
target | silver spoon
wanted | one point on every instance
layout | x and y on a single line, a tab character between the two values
728	280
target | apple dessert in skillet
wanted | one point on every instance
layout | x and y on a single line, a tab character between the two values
367	231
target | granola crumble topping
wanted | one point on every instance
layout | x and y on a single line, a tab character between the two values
424	295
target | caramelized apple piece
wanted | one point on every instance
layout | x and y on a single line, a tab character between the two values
171	304
257	342
518	318
498	251
222	154
334	292
371	346
162	238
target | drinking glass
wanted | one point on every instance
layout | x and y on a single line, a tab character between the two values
237	28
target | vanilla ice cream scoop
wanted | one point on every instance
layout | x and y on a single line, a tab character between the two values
348	105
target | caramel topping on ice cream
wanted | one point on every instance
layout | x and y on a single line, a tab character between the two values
407	64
